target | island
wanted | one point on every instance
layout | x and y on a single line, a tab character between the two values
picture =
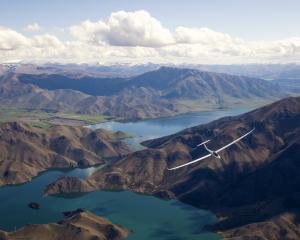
34	205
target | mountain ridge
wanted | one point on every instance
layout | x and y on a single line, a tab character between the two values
160	93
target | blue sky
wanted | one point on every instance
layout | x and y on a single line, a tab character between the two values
252	19
159	31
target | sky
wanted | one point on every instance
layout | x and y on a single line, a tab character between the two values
140	31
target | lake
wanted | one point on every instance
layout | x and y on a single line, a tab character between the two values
148	217
154	128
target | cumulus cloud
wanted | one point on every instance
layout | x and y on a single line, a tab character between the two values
137	37
203	36
11	40
34	27
125	29
90	32
46	40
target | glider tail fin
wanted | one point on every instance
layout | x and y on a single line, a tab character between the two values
204	144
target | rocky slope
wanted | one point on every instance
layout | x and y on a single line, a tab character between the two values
256	182
163	92
27	151
78	225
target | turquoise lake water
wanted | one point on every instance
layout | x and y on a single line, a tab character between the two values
148	217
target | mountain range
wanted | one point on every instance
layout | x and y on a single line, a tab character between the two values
159	93
264	71
253	188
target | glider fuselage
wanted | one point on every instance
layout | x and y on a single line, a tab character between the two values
213	153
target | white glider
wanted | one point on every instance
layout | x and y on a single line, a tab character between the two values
211	152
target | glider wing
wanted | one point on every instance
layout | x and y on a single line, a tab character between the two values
196	160
233	142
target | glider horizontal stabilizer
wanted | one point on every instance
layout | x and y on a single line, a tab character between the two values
203	143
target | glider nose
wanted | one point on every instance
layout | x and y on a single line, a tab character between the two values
216	155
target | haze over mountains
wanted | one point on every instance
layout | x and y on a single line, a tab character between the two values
264	71
159	93
292	85
254	188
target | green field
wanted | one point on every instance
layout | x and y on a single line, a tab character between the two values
92	119
45	119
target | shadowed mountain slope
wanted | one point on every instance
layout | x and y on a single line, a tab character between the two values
170	82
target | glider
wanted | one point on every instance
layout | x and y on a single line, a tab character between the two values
211	152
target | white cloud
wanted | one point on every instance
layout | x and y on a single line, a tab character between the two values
125	29
137	37
34	27
45	40
203	36
91	32
11	40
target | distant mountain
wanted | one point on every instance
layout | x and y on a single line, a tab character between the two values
163	92
292	85
264	71
171	82
254	188
195	84
130	104
78	70
88	85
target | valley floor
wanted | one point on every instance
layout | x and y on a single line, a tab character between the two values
46	119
